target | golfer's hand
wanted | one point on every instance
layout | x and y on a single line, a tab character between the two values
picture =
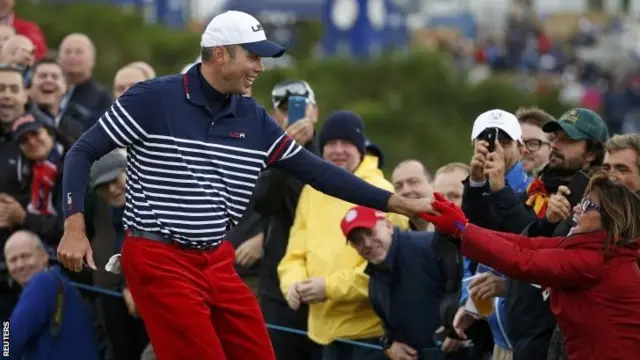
74	246
128	300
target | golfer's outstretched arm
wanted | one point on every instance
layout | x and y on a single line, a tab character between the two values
332	180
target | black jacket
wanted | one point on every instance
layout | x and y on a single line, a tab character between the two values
71	123
91	95
276	198
406	289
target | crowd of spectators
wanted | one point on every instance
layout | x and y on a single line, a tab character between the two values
390	287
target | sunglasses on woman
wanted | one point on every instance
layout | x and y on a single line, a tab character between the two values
586	205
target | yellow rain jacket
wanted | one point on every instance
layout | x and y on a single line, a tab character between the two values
317	247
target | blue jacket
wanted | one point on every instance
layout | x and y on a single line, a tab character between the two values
31	337
406	289
518	180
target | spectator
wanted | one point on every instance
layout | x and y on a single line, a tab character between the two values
125	78
622	160
125	331
148	71
578	144
23	27
47	88
128	76
43	151
6	32
336	291
592	271
406	285
622	167
376	151
536	142
77	56
13	98
489	284
19	51
276	198
448	181
411	179
50	320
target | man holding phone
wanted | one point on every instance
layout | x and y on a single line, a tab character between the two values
497	139
577	144
275	197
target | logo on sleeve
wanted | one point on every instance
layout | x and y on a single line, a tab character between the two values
69	202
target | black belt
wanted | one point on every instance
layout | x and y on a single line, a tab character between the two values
192	245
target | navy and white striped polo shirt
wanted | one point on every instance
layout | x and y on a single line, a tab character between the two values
193	161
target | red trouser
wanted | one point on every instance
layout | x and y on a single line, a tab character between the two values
193	303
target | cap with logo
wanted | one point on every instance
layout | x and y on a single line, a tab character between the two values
239	28
107	168
580	124
360	217
500	119
283	90
29	122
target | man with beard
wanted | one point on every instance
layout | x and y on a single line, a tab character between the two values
577	143
48	86
411	179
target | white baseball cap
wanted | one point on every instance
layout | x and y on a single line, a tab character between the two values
500	119
239	28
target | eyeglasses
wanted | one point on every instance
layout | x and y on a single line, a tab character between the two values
586	205
535	144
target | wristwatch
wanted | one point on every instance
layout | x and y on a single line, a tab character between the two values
386	342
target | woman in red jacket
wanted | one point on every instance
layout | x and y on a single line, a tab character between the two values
592	275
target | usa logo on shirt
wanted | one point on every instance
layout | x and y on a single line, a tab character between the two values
237	135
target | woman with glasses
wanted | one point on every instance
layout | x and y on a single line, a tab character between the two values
591	276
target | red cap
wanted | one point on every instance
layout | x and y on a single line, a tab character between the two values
360	217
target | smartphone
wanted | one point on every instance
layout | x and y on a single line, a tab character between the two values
297	108
490	136
577	186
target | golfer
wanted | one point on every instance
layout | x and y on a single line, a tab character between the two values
195	149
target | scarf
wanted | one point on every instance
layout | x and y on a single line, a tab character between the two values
45	174
543	186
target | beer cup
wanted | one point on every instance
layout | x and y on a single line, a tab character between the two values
477	306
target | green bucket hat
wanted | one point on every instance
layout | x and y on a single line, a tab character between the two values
580	124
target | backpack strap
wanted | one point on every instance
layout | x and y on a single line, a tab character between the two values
56	320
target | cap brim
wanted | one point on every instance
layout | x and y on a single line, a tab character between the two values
360	224
265	48
26	128
571	131
106	178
